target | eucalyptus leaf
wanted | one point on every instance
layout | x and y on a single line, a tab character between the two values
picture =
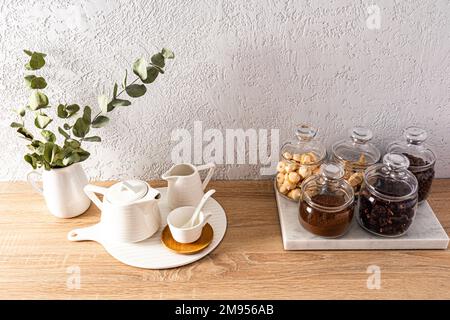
48	152
158	59
25	133
92	139
80	128
140	68
31	160
117	103
63	133
120	103
87	114
34	145
72	144
103	103
30	53
66	126
48	135
16	125
42	121
71	159
100	121
38	83
36	61
110	107
115	91
58	157
72	109
37	100
136	90
152	73
61	111
83	154
40	149
34	82
167	53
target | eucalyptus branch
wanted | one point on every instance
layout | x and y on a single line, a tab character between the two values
118	94
48	153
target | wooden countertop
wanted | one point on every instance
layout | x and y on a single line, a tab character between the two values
36	260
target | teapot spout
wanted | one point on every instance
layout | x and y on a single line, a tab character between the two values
154	194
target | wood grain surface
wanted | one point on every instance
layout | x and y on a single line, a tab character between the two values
37	262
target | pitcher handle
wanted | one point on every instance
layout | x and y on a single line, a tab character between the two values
211	166
91	191
33	182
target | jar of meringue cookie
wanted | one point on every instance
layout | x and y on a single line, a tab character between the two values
356	154
300	159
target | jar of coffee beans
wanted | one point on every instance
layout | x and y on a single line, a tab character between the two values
326	202
300	159
421	158
356	155
388	198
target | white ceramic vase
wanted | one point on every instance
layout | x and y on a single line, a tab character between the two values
63	190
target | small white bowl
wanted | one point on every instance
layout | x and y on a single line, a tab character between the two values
178	217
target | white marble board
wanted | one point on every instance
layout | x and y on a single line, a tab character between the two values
425	233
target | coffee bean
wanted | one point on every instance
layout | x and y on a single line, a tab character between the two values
390	218
424	177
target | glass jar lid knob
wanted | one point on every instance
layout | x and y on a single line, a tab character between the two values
395	161
361	134
305	132
415	135
332	171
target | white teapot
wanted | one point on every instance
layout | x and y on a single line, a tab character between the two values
130	211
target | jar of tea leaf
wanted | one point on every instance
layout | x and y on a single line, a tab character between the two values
387	201
300	159
356	154
326	202
421	158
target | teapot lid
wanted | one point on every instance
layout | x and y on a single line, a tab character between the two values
126	192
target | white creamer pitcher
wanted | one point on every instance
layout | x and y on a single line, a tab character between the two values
185	187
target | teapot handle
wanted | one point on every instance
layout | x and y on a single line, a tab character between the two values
91	191
211	166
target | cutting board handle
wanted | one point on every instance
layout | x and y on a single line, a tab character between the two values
83	234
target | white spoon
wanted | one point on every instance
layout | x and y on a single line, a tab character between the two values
191	222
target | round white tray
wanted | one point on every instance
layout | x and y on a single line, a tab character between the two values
151	253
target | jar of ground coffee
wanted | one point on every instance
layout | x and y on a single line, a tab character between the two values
326	202
421	158
388	198
356	155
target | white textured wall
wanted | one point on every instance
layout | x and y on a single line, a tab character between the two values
239	64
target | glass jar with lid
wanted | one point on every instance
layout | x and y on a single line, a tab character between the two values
300	159
327	202
421	158
387	201
356	155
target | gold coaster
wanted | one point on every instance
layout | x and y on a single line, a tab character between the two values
188	248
